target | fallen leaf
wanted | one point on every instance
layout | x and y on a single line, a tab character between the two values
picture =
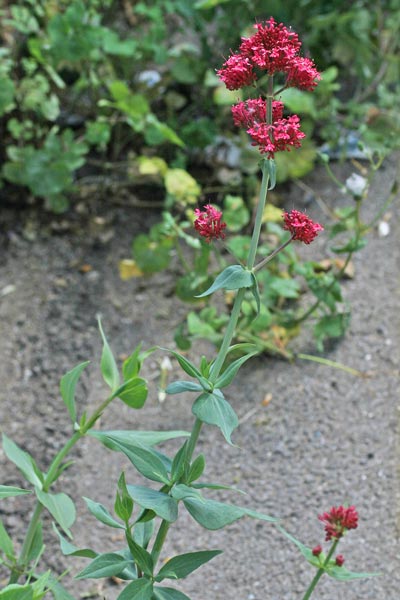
128	269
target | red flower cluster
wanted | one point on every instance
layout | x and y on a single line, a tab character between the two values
338	520
273	48
301	227
281	135
208	223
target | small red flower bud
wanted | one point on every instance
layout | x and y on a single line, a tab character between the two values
317	550
339	560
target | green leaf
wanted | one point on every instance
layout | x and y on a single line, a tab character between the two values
228	375
343	574
181	566
108	365
59	592
352	246
141	589
212	515
162	504
123	505
60	506
186	365
104	565
23	461
67	388
255	290
212	408
6	544
146	461
177	387
17	592
136	438
306	552
196	468
9	490
133	392
101	513
166	593
69	549
37	546
142	558
131	365
270	166
231	278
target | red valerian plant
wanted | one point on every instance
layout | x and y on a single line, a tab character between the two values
272	49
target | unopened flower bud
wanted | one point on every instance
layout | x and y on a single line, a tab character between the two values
339	560
317	550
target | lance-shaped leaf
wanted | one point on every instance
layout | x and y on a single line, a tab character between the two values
146	461
212	515
9	490
61	508
133	392
142	558
6	544
104	565
186	365
196	468
306	552
181	566
231	278
343	574
177	387
14	591
136	438
101	513
37	546
230	372
69	549
108	366
67	388
270	166
23	461
162	504
166	593
256	293
212	408
141	589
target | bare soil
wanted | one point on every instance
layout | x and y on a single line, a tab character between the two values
325	438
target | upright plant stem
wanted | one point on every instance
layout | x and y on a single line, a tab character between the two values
320	572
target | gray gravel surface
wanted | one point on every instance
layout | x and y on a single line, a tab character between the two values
325	438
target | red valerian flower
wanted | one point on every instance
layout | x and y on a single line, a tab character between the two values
339	520
317	550
272	48
302	74
339	560
208	223
301	227
254	111
237	72
283	134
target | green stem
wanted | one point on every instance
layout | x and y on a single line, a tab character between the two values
266	260
159	541
320	572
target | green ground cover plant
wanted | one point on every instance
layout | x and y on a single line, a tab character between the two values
146	514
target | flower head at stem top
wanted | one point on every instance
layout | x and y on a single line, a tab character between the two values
208	223
339	520
300	226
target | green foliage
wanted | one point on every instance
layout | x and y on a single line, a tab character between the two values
70	89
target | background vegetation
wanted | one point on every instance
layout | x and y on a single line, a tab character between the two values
124	94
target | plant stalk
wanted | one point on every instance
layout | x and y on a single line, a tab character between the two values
320	572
